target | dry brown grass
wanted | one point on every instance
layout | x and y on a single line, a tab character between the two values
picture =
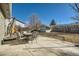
63	36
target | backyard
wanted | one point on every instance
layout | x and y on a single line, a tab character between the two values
44	46
63	36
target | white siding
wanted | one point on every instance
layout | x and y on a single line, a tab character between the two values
19	23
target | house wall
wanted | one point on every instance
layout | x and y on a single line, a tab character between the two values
1	14
1	26
4	14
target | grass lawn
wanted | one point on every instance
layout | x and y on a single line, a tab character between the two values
63	36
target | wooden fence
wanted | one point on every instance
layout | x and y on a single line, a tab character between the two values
73	28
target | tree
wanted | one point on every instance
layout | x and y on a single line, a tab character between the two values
53	22
75	7
35	22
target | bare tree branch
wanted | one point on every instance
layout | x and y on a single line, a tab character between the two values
75	7
35	22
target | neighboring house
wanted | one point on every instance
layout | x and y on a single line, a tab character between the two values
44	28
5	14
19	23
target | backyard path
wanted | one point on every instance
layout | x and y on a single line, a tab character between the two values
44	46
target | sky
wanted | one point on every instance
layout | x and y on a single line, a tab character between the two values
61	13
